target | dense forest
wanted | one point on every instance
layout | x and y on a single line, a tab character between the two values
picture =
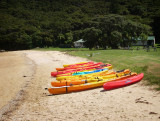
26	24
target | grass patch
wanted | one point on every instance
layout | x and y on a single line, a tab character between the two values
139	61
61	49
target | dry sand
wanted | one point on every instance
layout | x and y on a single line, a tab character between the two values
25	74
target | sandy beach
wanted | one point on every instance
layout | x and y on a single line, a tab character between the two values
24	75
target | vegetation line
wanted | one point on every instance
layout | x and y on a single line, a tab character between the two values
26	24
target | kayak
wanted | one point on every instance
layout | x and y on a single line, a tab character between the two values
76	81
79	66
81	63
55	73
75	66
82	87
85	72
69	75
123	82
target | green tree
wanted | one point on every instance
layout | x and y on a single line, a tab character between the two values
115	39
91	35
118	30
115	7
69	38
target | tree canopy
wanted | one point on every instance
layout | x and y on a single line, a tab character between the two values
114	30
26	24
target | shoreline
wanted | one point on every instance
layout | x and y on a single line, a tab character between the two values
20	95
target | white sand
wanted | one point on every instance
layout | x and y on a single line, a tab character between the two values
33	103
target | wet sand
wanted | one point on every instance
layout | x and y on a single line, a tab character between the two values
30	101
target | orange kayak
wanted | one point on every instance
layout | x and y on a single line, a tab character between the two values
82	87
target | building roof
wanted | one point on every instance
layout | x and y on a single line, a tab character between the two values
151	38
81	40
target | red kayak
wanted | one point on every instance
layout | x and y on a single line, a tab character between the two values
77	66
83	66
123	82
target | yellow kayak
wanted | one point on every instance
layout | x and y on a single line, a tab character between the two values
77	81
86	86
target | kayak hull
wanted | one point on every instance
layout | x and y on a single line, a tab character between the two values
123	82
